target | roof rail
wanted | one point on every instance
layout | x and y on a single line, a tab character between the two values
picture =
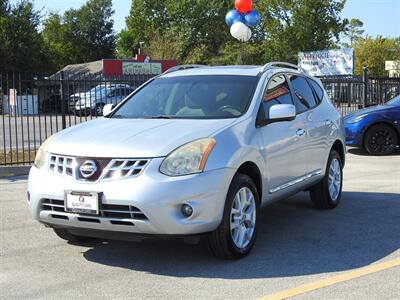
183	67
283	64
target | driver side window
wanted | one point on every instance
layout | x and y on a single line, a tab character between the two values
277	92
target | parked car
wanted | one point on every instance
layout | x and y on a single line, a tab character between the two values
376	128
195	151
93	101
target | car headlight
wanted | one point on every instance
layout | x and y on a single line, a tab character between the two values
40	158
355	119
188	159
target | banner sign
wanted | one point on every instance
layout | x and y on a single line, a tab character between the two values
328	62
133	68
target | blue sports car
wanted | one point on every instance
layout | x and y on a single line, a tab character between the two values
376	128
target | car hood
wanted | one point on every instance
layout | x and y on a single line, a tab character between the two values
368	110
131	138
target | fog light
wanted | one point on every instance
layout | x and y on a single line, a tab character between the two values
187	210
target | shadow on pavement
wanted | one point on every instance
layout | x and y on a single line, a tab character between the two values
294	239
363	152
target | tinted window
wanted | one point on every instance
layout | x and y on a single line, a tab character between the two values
191	97
318	90
304	96
277	92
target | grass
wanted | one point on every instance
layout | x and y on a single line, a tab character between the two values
14	157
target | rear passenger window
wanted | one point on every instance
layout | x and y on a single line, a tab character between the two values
277	92
303	95
318	90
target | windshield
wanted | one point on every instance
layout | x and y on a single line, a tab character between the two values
395	101
191	97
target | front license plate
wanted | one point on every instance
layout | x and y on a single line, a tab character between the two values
82	202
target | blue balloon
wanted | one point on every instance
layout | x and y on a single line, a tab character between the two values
233	16
252	18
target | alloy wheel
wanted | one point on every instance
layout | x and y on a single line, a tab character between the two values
335	179
243	217
381	141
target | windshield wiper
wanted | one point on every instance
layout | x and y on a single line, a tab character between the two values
161	117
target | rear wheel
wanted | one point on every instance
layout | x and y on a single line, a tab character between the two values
327	193
380	139
235	236
65	234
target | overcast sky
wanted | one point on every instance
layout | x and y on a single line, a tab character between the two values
380	17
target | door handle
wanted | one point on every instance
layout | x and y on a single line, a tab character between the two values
328	123
300	132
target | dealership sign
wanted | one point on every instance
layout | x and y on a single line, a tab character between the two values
133	68
328	62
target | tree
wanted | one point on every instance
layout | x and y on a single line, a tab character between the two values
300	25
21	45
81	35
372	53
287	27
354	31
194	25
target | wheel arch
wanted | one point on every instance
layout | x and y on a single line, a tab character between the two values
339	147
250	169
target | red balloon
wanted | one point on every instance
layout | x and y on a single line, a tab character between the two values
243	6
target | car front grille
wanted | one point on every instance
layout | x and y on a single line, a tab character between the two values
111	211
106	168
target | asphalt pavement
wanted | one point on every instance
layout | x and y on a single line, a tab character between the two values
28	132
297	245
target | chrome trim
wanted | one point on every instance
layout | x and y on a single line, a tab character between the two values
296	181
116	169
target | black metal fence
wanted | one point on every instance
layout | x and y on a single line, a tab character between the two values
34	107
352	93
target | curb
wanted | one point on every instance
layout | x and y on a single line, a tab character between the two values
14	171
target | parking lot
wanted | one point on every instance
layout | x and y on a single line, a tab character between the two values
300	252
28	132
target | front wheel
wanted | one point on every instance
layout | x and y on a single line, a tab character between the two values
235	236
327	193
380	139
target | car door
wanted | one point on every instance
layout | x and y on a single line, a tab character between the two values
283	142
315	125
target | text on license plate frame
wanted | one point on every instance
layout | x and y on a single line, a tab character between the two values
78	198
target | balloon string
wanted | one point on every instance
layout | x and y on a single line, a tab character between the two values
242	53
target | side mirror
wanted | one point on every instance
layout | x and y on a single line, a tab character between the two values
277	113
282	112
107	109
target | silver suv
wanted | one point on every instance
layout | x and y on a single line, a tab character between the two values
195	151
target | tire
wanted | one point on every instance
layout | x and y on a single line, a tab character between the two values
327	193
380	139
98	111
227	243
65	234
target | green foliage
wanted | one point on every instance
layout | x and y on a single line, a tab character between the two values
193	28
81	35
198	28
300	25
372	53
353	31
21	45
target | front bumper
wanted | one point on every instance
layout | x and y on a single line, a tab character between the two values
353	136
157	196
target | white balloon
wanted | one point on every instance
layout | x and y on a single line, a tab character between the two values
241	32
